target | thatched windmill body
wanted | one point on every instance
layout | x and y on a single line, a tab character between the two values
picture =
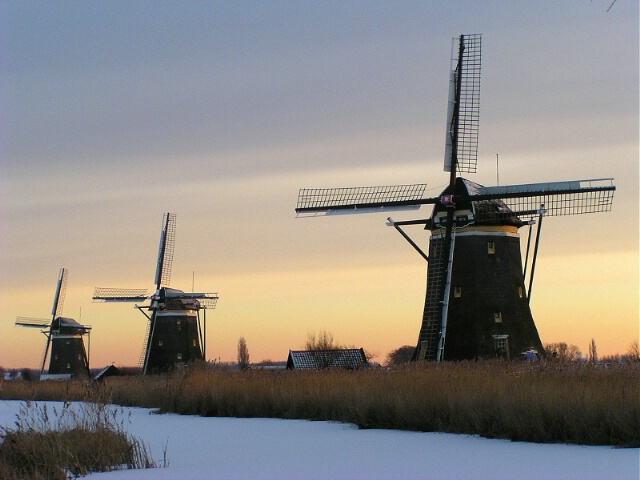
477	303
175	335
65	338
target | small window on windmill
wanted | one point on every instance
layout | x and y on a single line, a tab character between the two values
457	292
56	357
178	324
68	342
160	342
79	357
194	342
520	292
491	247
501	343
68	365
179	356
497	316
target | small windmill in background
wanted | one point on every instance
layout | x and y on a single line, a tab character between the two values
68	357
175	335
477	304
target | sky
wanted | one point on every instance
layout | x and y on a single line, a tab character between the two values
114	113
240	448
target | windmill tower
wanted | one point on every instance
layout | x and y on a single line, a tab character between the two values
477	303
65	345
175	335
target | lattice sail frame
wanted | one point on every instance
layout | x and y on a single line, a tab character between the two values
318	201
208	303
469	119
165	250
35	322
465	90
119	294
61	290
552	199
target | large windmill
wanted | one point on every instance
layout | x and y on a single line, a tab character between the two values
175	335
68	356
477	305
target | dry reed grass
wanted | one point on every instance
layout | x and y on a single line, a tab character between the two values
74	440
536	402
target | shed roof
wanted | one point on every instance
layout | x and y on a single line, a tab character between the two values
341	358
108	371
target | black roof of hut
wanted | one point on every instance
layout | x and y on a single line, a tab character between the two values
349	358
109	371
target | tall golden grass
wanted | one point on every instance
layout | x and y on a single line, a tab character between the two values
536	402
66	442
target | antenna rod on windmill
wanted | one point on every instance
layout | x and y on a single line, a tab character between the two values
497	171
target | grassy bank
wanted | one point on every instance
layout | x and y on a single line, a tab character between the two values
545	402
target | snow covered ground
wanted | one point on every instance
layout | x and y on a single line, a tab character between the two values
235	448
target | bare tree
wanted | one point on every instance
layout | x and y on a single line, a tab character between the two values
400	355
321	345
593	352
561	351
634	351
324	341
243	354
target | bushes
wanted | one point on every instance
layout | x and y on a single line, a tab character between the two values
74	440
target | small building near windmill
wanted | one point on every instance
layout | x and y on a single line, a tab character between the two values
348	358
108	371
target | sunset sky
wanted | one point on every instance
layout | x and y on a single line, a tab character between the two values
113	113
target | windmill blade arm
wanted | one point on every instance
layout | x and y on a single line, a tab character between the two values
328	201
165	250
61	289
463	117
178	294
119	294
33	322
558	198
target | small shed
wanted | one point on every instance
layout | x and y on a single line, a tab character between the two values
109	371
348	358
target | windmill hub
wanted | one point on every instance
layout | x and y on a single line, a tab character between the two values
447	201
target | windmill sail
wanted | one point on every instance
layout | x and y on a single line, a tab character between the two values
560	198
61	289
165	250
33	322
463	116
576	197
328	201
102	294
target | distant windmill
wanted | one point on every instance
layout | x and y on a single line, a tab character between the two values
174	333
476	302
64	337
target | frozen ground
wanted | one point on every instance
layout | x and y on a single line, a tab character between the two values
232	448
